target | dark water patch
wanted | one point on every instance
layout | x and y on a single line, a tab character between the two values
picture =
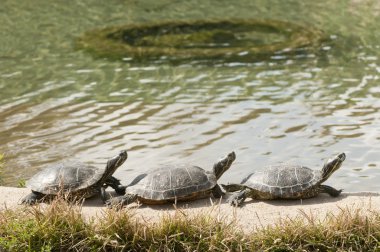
233	39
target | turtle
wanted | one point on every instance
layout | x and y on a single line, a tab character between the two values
284	181
172	183
75	179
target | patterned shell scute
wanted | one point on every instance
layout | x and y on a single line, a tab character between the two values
282	180
67	176
172	182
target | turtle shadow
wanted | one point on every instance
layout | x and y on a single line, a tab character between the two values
93	202
197	203
210	201
320	199
193	204
363	194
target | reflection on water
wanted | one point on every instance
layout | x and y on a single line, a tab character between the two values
57	103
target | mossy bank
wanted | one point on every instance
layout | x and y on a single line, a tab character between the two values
62	227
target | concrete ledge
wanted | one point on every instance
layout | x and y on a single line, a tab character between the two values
253	214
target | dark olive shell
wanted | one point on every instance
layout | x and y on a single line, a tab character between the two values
284	180
65	176
173	182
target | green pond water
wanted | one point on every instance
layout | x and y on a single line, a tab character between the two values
59	103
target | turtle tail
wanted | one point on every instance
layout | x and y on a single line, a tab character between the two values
232	187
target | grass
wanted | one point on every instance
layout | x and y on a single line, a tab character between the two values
350	230
1	168
61	227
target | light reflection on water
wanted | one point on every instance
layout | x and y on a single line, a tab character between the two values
58	103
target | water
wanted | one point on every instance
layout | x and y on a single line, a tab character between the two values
59	103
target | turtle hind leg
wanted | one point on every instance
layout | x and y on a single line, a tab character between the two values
217	192
330	190
32	198
119	202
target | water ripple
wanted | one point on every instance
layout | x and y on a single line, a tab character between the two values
57	103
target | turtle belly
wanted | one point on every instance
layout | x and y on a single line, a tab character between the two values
310	192
87	192
71	195
189	197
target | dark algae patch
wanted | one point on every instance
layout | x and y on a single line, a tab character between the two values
200	39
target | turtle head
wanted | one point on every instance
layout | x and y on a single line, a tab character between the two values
332	165
223	164
114	163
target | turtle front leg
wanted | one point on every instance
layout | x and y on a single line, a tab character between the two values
116	185
32	198
217	192
121	201
330	190
237	199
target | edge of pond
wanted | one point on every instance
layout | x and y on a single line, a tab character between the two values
254	214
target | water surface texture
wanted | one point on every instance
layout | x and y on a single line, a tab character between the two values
60	103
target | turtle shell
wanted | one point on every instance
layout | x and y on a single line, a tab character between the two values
284	181
176	182
67	176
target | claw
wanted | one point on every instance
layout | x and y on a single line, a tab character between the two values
237	199
235	202
114	203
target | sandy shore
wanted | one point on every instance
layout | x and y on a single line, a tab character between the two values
252	214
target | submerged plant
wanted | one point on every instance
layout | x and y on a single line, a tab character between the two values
233	39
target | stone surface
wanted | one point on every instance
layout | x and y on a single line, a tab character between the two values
253	213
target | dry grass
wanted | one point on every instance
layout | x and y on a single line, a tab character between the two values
1	167
350	230
61	227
